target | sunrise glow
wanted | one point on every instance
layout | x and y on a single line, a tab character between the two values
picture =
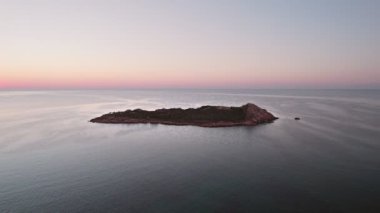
188	44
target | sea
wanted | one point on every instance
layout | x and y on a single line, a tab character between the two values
52	159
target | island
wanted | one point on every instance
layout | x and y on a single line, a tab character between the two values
205	116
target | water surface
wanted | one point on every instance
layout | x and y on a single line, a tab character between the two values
52	159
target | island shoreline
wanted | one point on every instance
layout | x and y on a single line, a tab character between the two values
205	116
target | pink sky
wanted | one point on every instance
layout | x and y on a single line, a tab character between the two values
83	81
194	44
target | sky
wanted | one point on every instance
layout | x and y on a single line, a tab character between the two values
189	44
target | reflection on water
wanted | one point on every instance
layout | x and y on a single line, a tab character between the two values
53	159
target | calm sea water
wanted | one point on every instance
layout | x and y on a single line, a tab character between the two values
53	160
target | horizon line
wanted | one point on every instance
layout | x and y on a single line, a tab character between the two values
190	88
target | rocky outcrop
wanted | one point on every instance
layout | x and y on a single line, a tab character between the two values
205	116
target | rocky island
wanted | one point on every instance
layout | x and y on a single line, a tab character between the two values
205	116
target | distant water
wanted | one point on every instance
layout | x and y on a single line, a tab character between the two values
53	160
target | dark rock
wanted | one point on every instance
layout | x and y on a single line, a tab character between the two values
205	116
297	118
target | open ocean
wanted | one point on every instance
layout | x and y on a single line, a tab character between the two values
53	160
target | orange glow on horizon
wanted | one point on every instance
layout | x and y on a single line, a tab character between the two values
166	81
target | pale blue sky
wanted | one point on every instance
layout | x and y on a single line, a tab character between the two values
221	44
